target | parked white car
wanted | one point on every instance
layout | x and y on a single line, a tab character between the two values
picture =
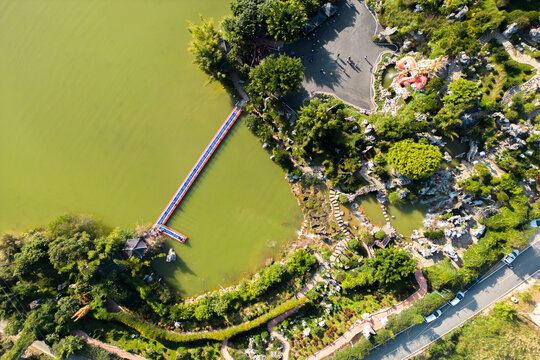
509	259
459	296
433	316
535	223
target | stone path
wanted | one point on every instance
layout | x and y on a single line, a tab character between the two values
337	214
112	349
225	350
534	114
530	84
516	56
236	81
374	320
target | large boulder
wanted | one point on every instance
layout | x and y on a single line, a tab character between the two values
407	46
460	15
510	30
535	35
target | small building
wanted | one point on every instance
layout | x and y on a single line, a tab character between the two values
308	27
329	10
135	247
318	19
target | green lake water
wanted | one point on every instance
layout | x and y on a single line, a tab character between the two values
408	217
388	76
103	112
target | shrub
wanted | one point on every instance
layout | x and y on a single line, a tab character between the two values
414	160
504	311
442	274
394	198
379	235
434	234
68	346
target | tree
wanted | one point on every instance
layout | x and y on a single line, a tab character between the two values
300	262
69	225
504	311
364	277
68	254
442	274
447	119
9	245
391	265
33	258
414	160
276	76
462	92
204	311
205	46
67	306
286	20
389	127
283	159
68	346
379	235
434	234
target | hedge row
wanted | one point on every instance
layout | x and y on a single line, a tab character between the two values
153	332
26	338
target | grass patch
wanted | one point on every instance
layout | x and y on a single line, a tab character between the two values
490	337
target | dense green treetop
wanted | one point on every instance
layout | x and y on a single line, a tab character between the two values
276	76
463	92
321	128
286	20
391	265
389	268
414	160
205	46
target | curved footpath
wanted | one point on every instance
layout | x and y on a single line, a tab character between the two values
490	289
112	349
520	58
272	323
374	320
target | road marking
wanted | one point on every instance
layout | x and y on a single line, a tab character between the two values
474	314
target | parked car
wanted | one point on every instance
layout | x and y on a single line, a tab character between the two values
437	314
459	296
535	223
509	259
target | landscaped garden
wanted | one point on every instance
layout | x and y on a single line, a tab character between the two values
477	203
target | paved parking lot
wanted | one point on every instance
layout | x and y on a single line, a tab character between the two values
348	34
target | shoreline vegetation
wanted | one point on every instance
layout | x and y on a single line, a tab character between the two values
487	196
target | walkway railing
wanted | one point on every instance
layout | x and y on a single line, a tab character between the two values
192	175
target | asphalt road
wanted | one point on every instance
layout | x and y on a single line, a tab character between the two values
476	299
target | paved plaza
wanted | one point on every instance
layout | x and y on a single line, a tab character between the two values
349	34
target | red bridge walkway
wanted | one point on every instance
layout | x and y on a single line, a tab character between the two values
192	175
